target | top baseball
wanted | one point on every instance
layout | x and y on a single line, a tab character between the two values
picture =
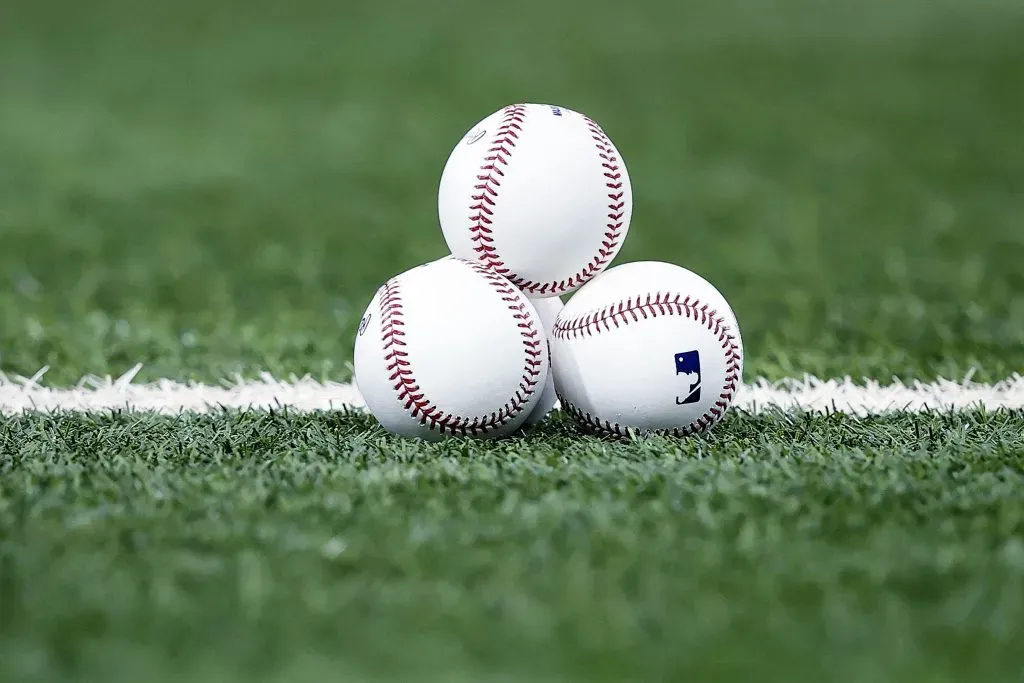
538	193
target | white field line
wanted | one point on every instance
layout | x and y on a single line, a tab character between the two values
19	395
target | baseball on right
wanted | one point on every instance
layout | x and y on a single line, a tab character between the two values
648	347
540	194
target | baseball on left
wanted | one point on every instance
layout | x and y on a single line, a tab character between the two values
450	348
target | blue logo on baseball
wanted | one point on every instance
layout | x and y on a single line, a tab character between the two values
688	363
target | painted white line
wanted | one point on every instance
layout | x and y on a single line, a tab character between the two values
19	394
870	397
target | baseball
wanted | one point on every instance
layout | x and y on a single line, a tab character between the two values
540	194
548	309
647	346
450	348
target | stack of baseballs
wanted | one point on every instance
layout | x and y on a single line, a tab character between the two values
535	203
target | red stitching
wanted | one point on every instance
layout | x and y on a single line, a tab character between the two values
400	370
486	194
652	306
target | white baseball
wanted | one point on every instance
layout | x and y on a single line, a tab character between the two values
450	348
548	309
647	346
539	193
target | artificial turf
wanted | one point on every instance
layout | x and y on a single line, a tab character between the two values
295	547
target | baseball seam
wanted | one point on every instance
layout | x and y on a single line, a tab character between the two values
635	309
407	388
486	191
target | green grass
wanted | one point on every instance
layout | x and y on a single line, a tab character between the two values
286	547
219	188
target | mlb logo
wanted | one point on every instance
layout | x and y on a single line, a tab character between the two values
688	363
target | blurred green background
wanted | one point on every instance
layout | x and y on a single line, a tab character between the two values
213	188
